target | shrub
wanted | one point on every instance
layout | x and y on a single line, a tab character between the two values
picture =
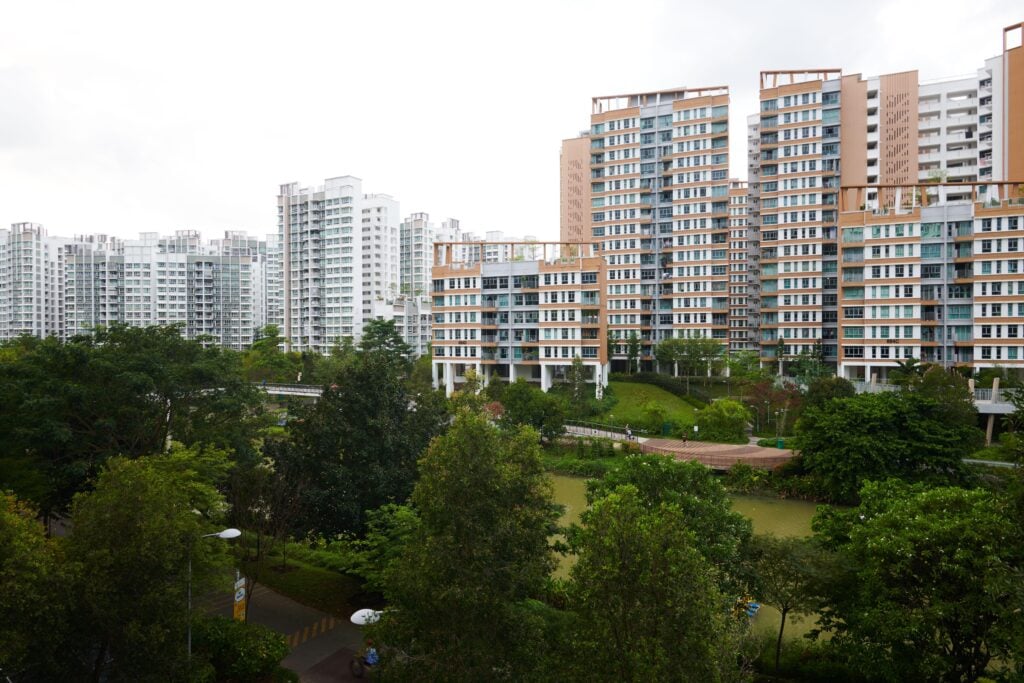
238	651
724	421
744	478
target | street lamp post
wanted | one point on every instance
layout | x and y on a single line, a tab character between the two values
225	534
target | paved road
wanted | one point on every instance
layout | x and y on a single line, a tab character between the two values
321	644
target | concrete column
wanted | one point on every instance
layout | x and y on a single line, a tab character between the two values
434	375
545	378
988	429
487	375
479	377
449	379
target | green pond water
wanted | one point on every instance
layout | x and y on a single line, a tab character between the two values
767	515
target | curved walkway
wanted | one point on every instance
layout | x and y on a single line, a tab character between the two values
719	456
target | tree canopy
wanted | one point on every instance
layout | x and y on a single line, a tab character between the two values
645	599
458	593
908	435
932	591
65	408
719	533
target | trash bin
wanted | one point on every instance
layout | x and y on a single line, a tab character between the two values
780	443
666	428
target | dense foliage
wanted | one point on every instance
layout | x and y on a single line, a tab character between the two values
848	441
724	421
645	599
65	408
108	601
719	534
931	582
480	551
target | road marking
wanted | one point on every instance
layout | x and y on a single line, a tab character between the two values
317	628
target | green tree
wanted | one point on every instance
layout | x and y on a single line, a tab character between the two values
952	393
67	407
646	600
724	421
698	356
809	365
37	621
933	592
744	369
907	373
526	405
579	394
719	533
459	590
823	389
357	448
611	341
381	336
132	537
388	532
238	651
784	577
668	353
266	362
848	441
654	416
633	353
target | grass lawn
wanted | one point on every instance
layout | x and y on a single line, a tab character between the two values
315	587
631	399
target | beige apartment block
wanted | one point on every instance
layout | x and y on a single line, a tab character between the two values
937	280
945	144
518	319
574	189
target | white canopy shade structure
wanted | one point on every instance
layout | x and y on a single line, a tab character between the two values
365	616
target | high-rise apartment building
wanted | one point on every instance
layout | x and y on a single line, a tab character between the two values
517	318
54	286
339	258
93	284
574	189
31	282
798	176
916	167
494	246
660	214
743	269
417	252
209	289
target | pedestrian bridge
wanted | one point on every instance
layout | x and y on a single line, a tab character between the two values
993	401
310	390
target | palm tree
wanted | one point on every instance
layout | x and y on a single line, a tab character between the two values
907	372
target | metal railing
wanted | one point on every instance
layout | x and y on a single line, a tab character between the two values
290	389
980	394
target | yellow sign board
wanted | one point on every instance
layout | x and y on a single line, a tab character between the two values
239	610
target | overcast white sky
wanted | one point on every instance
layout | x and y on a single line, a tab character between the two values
139	116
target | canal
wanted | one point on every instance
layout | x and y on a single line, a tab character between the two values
767	515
